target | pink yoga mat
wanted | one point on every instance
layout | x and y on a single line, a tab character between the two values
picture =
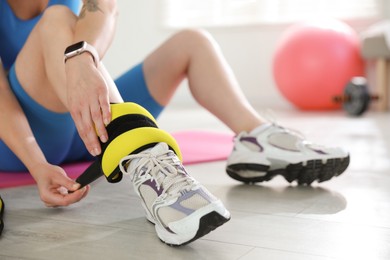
196	147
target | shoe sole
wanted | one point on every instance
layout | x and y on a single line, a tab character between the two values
207	224
314	170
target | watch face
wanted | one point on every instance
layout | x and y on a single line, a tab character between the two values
74	47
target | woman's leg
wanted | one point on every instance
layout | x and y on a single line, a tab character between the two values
261	151
193	54
39	70
39	65
133	88
51	130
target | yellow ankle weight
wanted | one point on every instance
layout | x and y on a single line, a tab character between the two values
121	109
127	137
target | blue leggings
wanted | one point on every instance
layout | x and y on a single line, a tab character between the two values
56	133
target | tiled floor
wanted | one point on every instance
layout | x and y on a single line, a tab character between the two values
345	218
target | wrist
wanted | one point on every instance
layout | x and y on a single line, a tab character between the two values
84	58
79	49
35	166
30	153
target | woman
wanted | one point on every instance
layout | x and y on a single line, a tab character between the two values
35	129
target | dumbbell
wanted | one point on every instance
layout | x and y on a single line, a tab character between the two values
356	98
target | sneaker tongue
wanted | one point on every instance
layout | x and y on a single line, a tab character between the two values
162	148
159	148
134	162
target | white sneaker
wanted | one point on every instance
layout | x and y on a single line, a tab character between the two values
270	150
181	209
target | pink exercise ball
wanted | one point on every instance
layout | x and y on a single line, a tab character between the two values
314	61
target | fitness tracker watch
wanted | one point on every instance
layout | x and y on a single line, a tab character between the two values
79	48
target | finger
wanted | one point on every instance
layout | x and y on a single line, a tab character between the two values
97	118
57	199
84	126
106	108
62	190
89	134
63	181
76	196
87	188
54	199
77	119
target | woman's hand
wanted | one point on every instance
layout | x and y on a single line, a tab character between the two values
88	101
53	185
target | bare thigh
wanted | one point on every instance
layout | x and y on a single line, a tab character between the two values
195	55
40	66
167	66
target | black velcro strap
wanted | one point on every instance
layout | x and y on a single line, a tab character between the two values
126	123
116	127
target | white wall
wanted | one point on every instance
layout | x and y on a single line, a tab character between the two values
248	50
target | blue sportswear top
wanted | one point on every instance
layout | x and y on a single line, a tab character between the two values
14	31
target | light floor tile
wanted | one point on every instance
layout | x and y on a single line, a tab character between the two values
345	218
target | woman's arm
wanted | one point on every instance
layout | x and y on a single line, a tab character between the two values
16	133
88	98
96	24
15	130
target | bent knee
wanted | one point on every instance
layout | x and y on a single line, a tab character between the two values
195	36
59	12
56	16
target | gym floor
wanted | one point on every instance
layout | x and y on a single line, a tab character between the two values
345	218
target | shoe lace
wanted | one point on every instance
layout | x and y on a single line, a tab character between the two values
167	172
